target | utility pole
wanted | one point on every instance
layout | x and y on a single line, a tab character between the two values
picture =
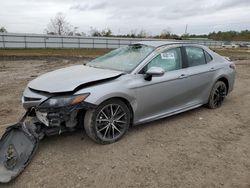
186	29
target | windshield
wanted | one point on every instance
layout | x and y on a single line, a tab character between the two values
122	59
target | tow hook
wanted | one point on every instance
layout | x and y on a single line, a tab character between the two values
11	157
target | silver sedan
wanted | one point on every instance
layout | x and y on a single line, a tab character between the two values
131	85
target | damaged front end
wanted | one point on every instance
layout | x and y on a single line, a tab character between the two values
61	110
49	115
53	108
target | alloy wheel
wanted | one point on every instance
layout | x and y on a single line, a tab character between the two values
111	122
219	95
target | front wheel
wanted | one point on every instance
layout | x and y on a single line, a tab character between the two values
108	122
217	95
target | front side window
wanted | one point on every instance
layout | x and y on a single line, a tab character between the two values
122	59
169	60
195	56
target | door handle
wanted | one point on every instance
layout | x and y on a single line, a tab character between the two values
212	69
183	76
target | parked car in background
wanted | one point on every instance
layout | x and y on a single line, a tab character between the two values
230	45
245	45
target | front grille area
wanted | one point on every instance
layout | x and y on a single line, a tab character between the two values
28	99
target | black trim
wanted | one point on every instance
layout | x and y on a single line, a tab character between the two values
204	56
31	99
204	51
184	57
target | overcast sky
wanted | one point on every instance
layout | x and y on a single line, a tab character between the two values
122	16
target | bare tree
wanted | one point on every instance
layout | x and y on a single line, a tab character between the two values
166	33
94	32
59	25
142	34
133	33
106	32
3	30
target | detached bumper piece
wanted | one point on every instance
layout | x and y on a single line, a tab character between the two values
17	147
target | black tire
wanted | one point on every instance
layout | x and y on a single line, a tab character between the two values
103	127
217	95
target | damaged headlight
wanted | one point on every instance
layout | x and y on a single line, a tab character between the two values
61	101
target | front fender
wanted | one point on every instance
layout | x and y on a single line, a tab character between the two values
101	93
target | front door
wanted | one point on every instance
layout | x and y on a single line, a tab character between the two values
165	94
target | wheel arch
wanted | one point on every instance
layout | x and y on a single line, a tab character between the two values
225	80
124	99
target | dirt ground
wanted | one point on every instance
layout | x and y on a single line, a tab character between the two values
200	148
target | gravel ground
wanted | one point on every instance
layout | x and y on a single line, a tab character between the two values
199	148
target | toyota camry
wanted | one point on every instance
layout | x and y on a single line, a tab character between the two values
135	84
131	85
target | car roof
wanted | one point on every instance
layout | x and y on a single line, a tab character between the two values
157	44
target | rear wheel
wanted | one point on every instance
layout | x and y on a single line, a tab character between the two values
108	122
217	95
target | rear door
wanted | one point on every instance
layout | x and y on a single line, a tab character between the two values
201	73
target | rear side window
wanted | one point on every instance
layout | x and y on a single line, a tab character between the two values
208	57
195	56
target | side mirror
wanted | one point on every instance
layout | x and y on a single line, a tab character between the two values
154	72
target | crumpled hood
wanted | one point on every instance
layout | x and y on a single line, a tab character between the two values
67	79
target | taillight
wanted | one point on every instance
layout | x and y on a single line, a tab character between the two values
232	66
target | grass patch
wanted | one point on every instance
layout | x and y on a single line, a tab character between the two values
88	53
234	54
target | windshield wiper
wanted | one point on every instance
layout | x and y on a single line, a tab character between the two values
135	46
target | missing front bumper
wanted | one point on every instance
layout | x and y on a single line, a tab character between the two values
66	115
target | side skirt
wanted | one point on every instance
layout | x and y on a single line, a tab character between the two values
160	116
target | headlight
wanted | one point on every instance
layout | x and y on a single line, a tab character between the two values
62	101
